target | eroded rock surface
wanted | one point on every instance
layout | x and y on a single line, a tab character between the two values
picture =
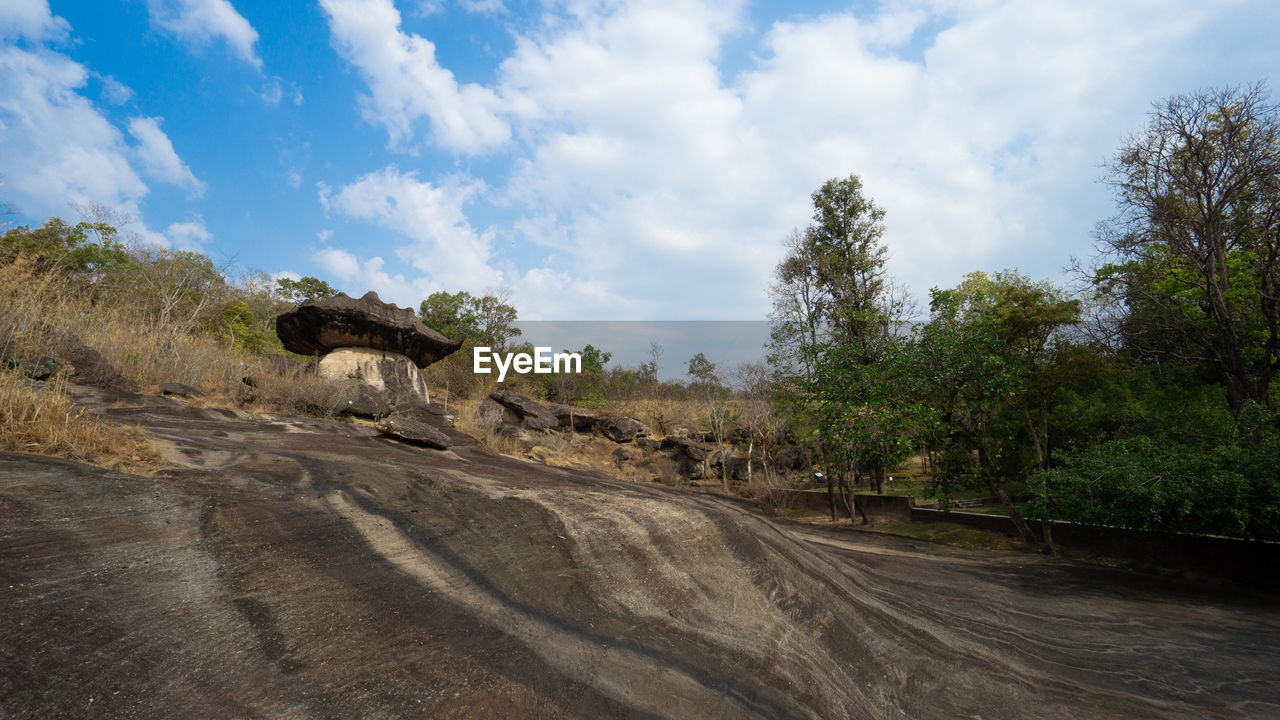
308	568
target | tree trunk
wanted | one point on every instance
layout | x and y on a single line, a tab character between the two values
1019	522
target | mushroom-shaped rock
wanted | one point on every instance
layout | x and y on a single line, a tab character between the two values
342	322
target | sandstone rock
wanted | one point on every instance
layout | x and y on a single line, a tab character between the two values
621	429
684	446
531	414
180	390
792	458
343	322
578	418
94	370
729	462
392	379
689	456
414	431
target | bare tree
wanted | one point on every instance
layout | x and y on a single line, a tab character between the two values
1194	252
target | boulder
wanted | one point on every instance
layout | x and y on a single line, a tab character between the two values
621	429
525	412
36	367
578	418
345	322
388	380
180	390
92	369
689	456
413	430
792	457
729	462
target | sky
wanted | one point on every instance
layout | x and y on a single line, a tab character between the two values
601	160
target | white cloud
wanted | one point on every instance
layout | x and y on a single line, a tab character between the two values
114	91
31	19
645	182
57	147
188	235
406	82
484	7
204	22
292	177
358	277
442	243
158	159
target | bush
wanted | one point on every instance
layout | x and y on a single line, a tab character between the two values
1145	483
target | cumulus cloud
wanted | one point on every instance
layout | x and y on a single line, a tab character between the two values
30	19
646	180
406	82
156	154
58	148
443	245
188	235
114	91
205	22
358	277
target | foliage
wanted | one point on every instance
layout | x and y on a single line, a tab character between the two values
1193	257
304	290
1149	483
86	249
487	321
702	370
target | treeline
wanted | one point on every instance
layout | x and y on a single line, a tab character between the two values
1144	401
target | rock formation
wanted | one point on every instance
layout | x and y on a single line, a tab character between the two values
377	343
297	567
529	414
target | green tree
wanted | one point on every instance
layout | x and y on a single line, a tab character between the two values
864	419
702	370
487	320
304	290
1193	256
831	287
86	249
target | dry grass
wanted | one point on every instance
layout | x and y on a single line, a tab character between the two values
45	313
40	418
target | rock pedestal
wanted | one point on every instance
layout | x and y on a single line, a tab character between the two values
391	375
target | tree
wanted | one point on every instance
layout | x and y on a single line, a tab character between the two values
86	249
487	320
832	286
304	290
702	370
1194	253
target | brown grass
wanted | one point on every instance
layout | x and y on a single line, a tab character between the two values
40	418
44	313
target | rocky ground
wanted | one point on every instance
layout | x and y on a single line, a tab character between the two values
302	568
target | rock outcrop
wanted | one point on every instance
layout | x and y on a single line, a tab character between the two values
530	414
344	322
378	344
297	567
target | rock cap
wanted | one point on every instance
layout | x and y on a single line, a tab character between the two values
342	321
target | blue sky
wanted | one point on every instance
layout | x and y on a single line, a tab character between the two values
602	160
